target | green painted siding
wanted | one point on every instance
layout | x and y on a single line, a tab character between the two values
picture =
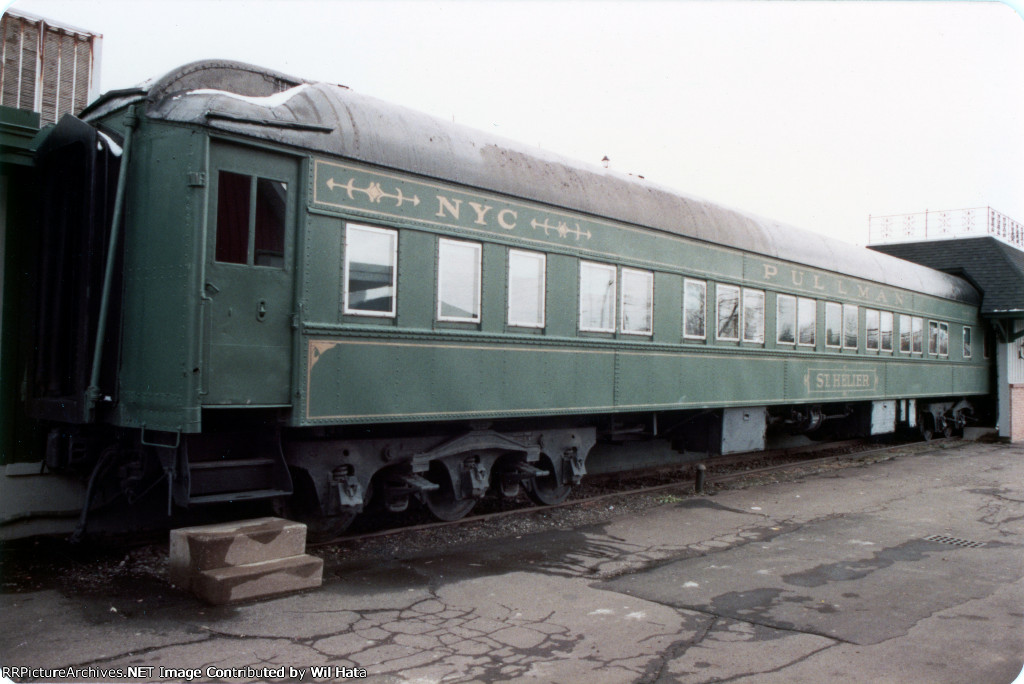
181	352
412	367
158	387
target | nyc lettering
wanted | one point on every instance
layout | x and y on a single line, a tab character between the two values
838	287
450	207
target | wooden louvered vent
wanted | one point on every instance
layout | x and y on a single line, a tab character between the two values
46	67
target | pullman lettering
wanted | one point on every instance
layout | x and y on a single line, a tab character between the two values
830	286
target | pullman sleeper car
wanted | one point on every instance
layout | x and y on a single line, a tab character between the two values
252	287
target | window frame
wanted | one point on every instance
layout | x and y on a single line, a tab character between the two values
834	310
252	213
854	309
800	302
719	287
968	342
917	335
257	204
870	314
649	277
703	284
756	294
882	330
346	271
543	259
478	303
780	299
598	265
905	319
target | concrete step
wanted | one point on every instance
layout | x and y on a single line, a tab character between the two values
260	579
194	550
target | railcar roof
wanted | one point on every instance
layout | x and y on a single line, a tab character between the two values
334	120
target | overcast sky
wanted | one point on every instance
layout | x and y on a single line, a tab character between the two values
815	114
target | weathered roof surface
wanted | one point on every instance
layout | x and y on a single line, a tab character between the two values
994	267
334	120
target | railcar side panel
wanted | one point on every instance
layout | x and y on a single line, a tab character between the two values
668	302
414	365
321	254
373	379
563	295
159	375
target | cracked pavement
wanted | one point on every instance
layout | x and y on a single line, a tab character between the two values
825	578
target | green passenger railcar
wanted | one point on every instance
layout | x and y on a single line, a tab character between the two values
316	295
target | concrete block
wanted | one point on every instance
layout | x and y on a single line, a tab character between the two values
256	580
207	547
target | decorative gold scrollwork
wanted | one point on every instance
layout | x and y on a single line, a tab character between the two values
374	192
562	228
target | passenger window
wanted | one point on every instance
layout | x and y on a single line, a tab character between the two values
637	302
938	338
753	316
886	327
785	319
458	281
807	320
905	333
833	323
526	272
694	309
270	204
233	217
247	234
371	260
728	306
851	322
967	342
918	335
871	329
597	297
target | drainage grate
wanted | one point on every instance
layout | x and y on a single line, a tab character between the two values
954	541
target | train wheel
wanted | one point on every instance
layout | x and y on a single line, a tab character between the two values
441	502
545	490
302	507
448	509
925	427
319	528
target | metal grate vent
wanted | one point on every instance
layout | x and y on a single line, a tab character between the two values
954	541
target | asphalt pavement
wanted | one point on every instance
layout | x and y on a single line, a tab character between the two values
906	570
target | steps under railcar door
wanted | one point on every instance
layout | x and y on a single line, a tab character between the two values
250	256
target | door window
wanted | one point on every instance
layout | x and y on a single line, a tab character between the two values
250	220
